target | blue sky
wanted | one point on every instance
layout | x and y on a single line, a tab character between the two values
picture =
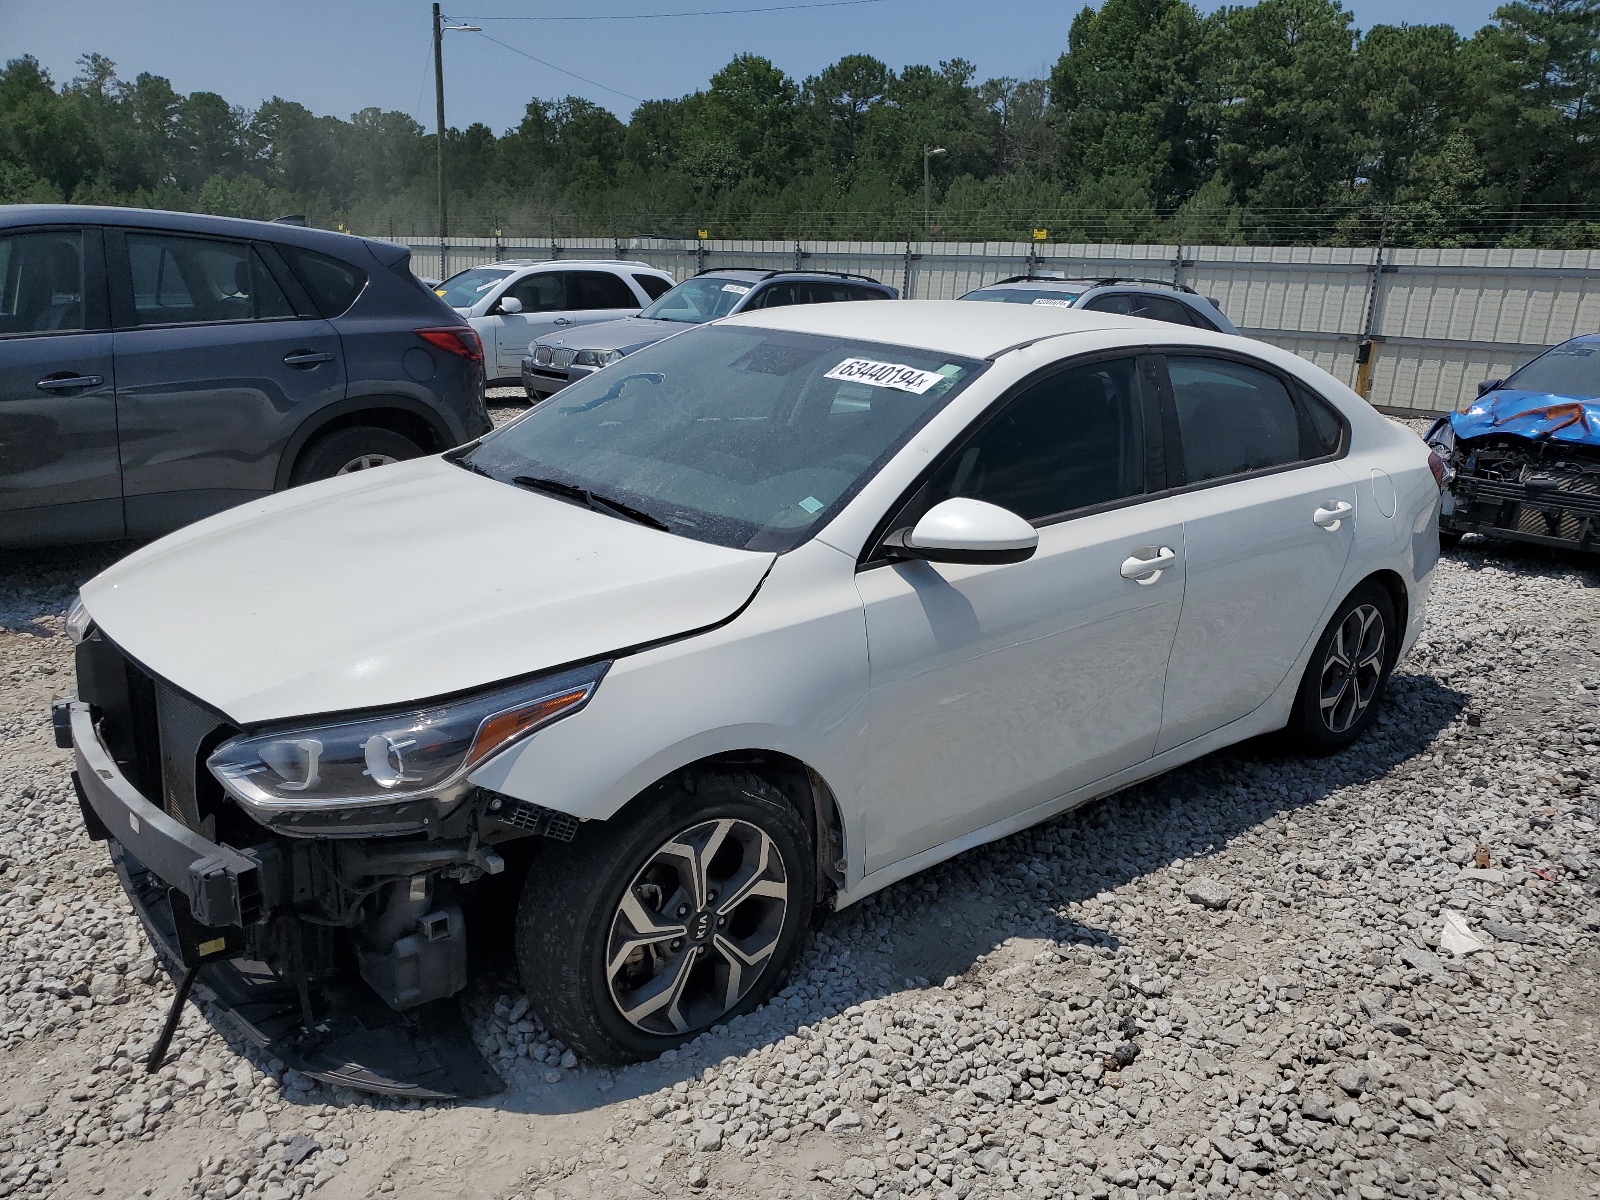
338	57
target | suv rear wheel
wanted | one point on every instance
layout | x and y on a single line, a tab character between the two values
640	934
358	448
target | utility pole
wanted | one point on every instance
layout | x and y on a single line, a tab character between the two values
438	96
927	186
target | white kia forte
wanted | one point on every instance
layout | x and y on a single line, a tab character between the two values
768	615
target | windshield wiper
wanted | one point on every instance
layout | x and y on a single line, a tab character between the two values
591	500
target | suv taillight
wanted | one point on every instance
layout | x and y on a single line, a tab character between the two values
455	339
1436	465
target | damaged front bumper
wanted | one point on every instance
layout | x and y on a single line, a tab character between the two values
1537	490
325	1021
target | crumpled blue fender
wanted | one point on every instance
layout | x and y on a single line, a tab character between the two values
1538	416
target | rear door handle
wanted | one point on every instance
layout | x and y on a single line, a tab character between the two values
1148	570
306	358
1332	513
67	383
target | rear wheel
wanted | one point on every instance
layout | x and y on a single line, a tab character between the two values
640	934
345	451
1347	674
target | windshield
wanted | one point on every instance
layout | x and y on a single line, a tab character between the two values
1047	297
741	437
698	300
466	288
1570	370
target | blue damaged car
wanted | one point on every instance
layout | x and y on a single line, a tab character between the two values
1523	461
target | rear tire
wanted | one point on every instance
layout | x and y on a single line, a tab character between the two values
645	931
1449	539
1348	673
358	448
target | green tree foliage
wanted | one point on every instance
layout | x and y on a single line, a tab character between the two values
1276	120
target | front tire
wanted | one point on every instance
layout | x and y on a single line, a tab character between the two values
1348	673
651	928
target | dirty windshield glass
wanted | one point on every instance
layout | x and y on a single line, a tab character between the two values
696	301
741	437
466	288
1048	297
1572	370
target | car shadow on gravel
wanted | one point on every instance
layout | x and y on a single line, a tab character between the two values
937	928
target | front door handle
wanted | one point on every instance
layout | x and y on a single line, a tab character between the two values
563	321
1332	513
68	383
306	358
1146	571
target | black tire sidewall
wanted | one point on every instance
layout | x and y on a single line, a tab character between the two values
331	451
572	892
1307	726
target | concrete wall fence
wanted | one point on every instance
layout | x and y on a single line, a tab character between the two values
1435	321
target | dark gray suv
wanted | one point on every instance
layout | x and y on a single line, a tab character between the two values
157	367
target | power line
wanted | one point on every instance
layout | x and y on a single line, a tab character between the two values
704	12
543	63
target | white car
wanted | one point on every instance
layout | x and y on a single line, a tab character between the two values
514	301
770	614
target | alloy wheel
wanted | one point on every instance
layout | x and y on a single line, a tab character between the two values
365	462
696	927
1351	669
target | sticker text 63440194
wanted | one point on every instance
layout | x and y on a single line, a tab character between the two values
883	374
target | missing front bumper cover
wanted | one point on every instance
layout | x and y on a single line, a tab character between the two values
354	1040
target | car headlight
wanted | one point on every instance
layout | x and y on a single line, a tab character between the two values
78	621
407	753
596	358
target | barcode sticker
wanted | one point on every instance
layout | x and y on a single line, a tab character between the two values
885	375
735	288
1043	303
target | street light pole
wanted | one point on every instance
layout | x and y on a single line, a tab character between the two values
438	96
927	186
439	31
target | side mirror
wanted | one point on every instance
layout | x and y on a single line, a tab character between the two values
963	530
1489	385
510	304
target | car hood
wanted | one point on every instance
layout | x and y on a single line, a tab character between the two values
628	334
1540	416
414	581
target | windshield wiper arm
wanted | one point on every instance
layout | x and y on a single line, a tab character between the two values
591	500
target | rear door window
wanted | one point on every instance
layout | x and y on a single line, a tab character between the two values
41	282
189	280
598	289
1233	419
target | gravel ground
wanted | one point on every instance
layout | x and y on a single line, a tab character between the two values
1366	976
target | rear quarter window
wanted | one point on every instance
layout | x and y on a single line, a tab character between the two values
332	283
654	286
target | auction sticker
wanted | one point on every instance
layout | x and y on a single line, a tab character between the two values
1041	302
735	288
883	374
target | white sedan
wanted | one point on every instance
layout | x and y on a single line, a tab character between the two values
768	615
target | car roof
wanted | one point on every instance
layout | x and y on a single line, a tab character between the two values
969	330
1042	281
518	264
762	275
13	215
